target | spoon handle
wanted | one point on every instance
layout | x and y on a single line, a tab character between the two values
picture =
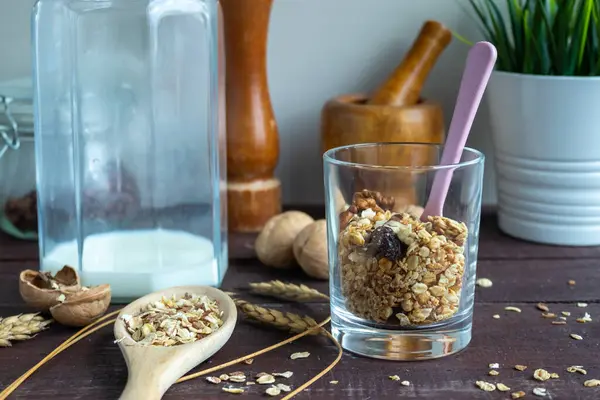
478	68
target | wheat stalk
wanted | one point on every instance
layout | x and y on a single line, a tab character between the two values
21	327
287	291
288	321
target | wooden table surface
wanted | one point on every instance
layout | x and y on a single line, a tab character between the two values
523	274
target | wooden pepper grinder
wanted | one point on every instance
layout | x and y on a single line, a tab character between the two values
253	193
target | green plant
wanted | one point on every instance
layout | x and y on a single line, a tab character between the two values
544	37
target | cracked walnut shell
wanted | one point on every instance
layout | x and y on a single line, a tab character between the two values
275	243
83	307
310	250
41	290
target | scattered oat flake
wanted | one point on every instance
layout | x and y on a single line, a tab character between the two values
273	391
286	374
250	383
543	307
394	377
559	322
304	354
519	367
484	282
485	386
566	313
502	387
213	379
496	316
571	282
538	391
233	390
576	336
494	365
334	382
265	379
249	361
405	383
284	388
562	318
577	368
224	377
549	315
493	372
237	378
511	308
517	395
582	305
554	375
592	383
262	374
541	375
586	318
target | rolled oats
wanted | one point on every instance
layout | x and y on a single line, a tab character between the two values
494	365
213	379
576	336
496	316
485	386
582	305
592	383
273	391
493	372
502	387
334	382
511	308
286	374
542	307
304	354
405	383
284	388
484	282
394	377
173	321
265	379
517	395
520	367
397	269
577	368
538	391
541	375
233	390
586	318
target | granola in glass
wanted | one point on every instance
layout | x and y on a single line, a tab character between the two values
396	268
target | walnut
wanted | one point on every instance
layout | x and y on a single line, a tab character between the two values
41	290
346	216
373	200
310	250
83	307
274	245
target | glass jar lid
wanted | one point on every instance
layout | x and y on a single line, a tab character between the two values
16	113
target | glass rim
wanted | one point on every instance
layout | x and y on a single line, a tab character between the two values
328	157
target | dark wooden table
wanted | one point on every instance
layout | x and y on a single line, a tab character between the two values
523	274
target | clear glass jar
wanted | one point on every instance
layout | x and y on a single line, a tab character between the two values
129	147
401	288
18	212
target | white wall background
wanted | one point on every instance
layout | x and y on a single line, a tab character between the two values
319	49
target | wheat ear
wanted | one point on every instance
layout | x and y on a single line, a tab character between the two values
21	327
287	291
288	321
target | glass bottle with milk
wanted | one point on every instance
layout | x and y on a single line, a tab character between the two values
130	146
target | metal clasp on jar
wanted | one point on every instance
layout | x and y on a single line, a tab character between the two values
9	135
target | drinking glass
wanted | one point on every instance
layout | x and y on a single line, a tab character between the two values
402	288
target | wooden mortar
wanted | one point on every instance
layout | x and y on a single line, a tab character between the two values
395	112
253	192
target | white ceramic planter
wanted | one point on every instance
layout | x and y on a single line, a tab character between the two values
546	135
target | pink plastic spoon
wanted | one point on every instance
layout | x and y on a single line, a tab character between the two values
478	68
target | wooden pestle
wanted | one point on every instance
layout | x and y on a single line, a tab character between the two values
395	112
253	193
403	87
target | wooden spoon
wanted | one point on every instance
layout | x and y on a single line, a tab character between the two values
153	369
